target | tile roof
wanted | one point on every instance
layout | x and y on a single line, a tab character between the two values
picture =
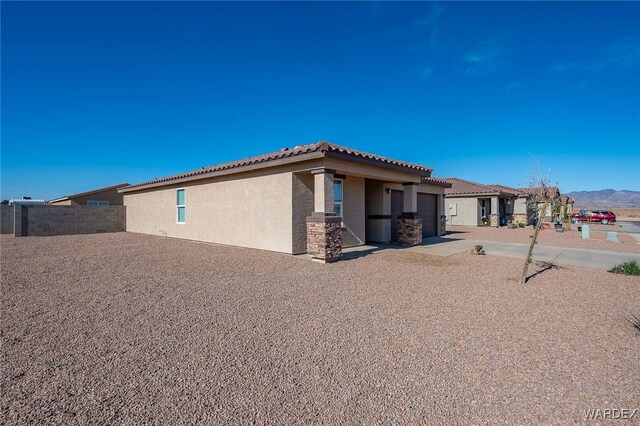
506	189
322	147
467	187
93	191
551	192
436	181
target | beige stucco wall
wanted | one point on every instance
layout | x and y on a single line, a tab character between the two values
303	194
468	211
244	210
520	206
354	220
377	208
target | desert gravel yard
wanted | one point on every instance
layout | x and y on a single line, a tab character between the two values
126	328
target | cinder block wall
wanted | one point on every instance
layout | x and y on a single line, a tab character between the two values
68	220
6	219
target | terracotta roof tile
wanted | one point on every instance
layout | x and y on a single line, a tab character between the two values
322	146
464	187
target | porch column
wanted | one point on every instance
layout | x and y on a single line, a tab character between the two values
494	217
442	224
324	228
409	222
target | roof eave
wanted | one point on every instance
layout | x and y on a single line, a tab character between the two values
232	170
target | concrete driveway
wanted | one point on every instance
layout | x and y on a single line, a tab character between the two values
571	256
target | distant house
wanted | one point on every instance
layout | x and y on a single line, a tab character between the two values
108	196
551	196
25	201
473	204
566	204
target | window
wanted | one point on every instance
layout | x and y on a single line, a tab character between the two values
181	205
337	197
97	203
483	209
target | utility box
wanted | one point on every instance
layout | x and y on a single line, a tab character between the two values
585	232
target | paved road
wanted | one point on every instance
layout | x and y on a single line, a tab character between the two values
572	256
632	227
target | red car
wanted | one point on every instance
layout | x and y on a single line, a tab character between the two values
602	216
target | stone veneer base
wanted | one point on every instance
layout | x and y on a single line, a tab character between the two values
409	229
324	237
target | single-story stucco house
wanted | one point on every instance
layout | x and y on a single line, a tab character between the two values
108	196
312	199
468	203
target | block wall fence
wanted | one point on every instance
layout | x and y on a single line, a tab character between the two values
27	221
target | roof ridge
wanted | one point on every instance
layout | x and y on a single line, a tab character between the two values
322	146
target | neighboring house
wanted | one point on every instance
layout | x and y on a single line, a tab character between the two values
468	203
551	197
26	201
312	199
108	196
566	204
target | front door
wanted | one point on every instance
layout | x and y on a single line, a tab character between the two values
397	205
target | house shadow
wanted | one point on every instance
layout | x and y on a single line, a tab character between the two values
351	253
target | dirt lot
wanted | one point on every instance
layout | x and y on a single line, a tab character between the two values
125	328
549	237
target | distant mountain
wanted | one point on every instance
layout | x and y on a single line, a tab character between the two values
606	198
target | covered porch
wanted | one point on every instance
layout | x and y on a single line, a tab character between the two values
348	205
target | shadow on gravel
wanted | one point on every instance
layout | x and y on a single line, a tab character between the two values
544	266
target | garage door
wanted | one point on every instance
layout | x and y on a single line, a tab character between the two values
428	210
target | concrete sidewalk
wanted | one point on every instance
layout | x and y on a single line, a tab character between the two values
571	256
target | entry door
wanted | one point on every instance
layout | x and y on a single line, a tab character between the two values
397	205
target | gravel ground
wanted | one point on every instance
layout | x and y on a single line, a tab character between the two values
126	328
547	237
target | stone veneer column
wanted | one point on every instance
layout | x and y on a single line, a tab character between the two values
324	227
494	216
409	222
520	218
324	237
443	224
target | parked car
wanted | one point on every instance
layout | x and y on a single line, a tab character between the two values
602	216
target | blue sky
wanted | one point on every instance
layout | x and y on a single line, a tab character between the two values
99	93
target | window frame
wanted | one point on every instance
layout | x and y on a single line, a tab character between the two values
183	206
341	202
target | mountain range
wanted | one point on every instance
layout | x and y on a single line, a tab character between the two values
605	198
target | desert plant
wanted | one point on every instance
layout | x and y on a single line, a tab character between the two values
477	249
627	268
538	200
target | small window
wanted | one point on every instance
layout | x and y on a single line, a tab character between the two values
181	205
97	203
337	197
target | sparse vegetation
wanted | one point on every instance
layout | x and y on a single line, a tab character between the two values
477	249
627	268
